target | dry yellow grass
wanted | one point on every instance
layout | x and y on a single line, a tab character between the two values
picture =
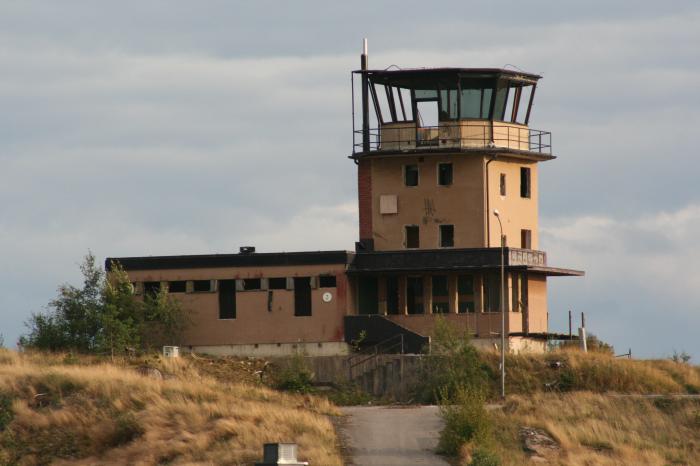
594	372
595	429
106	414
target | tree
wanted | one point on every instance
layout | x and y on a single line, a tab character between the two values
105	316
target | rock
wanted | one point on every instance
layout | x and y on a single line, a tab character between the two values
539	443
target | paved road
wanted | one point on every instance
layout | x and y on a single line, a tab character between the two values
392	436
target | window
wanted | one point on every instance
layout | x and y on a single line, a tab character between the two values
444	174
524	182
302	296
278	283
392	295
177	287
503	184
368	295
326	281
492	292
412	236
441	303
526	239
465	293
201	286
410	175
251	284
227	299
151	289
447	236
414	295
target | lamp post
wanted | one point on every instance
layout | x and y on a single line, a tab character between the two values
503	313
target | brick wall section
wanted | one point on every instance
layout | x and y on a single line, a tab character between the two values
364	191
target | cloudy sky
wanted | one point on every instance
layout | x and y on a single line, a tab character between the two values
171	127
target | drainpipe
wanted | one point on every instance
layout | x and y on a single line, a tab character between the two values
488	207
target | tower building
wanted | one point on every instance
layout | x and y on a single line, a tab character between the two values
438	152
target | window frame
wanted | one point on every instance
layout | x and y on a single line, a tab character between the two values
438	173
440	235
405	236
502	185
525	183
405	172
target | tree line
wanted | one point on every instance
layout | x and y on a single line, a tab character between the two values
104	316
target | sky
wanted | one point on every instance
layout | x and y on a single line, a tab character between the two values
177	127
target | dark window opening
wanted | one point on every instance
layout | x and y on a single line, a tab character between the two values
277	283
465	293
227	299
414	295
179	286
503	184
202	286
441	302
444	174
392	295
302	296
251	284
412	236
151	289
326	281
526	239
524	182
410	175
492	292
368	299
447	236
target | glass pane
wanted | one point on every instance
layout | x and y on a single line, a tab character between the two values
448	104
426	94
499	105
508	114
407	105
524	102
471	103
486	102
383	103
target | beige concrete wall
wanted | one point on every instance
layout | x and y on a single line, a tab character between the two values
254	324
271	350
517	213
537	303
479	324
429	205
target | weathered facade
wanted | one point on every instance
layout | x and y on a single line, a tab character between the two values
438	153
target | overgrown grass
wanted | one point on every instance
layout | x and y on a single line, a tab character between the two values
97	413
595	429
595	372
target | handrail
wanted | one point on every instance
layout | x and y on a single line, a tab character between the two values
373	351
449	135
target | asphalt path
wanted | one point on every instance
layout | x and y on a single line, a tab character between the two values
391	435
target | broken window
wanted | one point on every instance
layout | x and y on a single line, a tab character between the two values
412	236
368	301
414	295
465	293
441	302
302	296
201	286
392	295
179	286
444	174
447	236
410	175
227	299
526	239
492	292
277	283
326	281
151	289
503	184
524	182
251	284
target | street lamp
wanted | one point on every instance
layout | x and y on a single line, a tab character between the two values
503	312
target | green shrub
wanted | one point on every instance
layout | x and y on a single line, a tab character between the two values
453	363
483	457
126	429
294	376
466	420
6	413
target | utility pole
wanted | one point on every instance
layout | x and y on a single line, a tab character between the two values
503	311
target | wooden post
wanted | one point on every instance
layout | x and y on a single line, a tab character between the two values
570	334
583	320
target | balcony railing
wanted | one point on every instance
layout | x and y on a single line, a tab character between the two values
405	136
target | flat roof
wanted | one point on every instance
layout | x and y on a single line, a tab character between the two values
254	259
421	72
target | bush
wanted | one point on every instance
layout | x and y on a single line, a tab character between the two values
466	420
483	457
295	376
453	363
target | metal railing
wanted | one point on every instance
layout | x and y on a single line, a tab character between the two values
406	136
388	346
